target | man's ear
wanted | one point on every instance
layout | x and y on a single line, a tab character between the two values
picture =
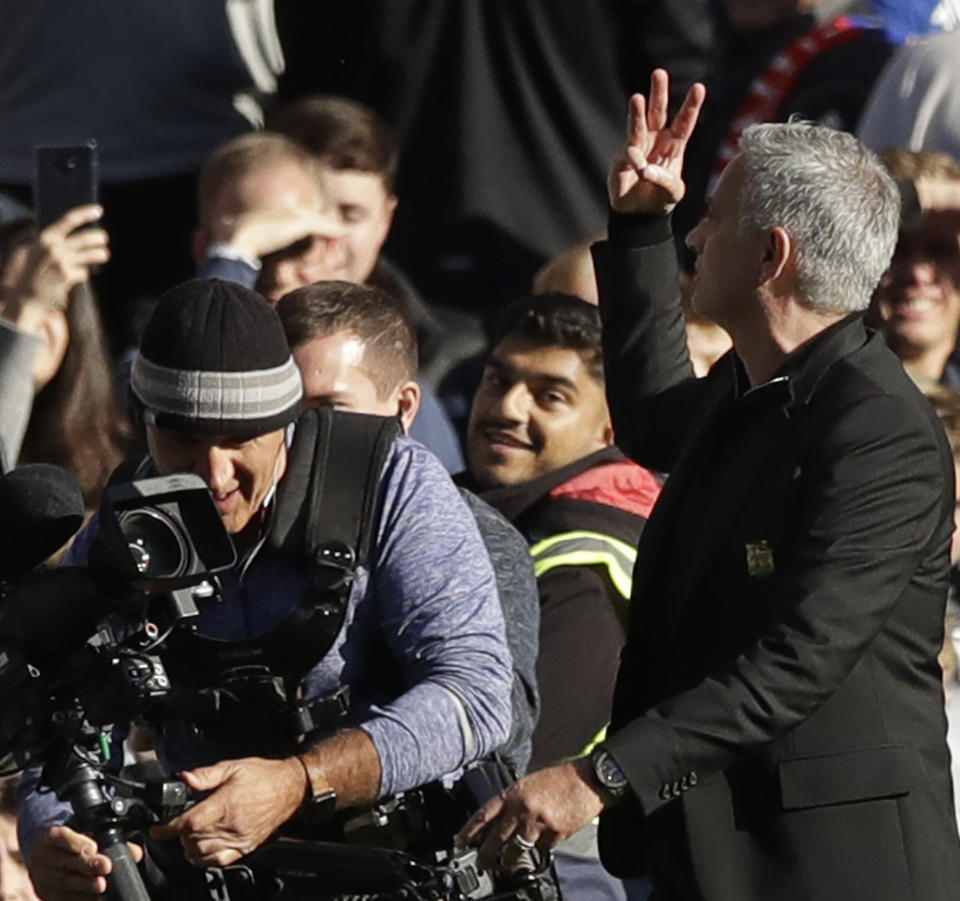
280	466
606	433
777	256
408	404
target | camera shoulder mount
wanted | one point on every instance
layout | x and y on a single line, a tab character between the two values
325	515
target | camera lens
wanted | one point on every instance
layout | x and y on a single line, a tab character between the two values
155	543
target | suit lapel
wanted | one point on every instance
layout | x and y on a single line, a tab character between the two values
769	429
656	585
656	548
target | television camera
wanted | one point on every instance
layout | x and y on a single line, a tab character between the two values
82	652
78	644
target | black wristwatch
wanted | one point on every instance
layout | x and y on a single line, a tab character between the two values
608	773
318	810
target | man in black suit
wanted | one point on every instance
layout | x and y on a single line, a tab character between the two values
778	726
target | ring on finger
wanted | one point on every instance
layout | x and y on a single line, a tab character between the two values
524	844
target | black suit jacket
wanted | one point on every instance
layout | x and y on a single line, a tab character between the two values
779	710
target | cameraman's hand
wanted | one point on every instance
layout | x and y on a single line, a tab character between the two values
66	865
251	799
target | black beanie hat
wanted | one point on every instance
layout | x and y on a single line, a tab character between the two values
214	359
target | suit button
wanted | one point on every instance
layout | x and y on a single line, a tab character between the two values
684	783
676	788
665	792
692	776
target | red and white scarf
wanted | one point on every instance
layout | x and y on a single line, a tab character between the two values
772	87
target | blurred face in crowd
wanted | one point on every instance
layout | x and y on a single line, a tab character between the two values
919	296
239	471
537	408
726	269
336	374
364	207
284	185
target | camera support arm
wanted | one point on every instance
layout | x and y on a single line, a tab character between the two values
83	786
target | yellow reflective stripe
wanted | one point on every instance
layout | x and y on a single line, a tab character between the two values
599	737
628	550
587	549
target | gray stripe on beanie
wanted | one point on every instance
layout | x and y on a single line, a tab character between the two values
196	394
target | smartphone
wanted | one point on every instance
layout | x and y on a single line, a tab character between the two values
66	177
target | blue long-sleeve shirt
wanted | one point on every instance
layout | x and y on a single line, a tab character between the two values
422	642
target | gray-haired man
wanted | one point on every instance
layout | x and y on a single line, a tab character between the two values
778	726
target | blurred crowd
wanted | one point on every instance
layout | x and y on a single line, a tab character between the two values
449	156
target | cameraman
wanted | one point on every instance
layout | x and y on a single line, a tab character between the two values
422	647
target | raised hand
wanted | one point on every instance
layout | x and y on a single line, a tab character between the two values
646	176
57	260
265	230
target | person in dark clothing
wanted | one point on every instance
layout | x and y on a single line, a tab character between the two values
778	724
540	451
507	111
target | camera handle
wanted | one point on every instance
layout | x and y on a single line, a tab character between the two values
99	816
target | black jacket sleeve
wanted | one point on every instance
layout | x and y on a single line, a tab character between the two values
650	385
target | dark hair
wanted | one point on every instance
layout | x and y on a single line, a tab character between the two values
556	320
375	317
342	133
75	421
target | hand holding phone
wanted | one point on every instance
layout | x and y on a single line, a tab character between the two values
59	258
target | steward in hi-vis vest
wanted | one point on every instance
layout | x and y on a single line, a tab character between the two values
540	450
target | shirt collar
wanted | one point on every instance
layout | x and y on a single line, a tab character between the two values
797	378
